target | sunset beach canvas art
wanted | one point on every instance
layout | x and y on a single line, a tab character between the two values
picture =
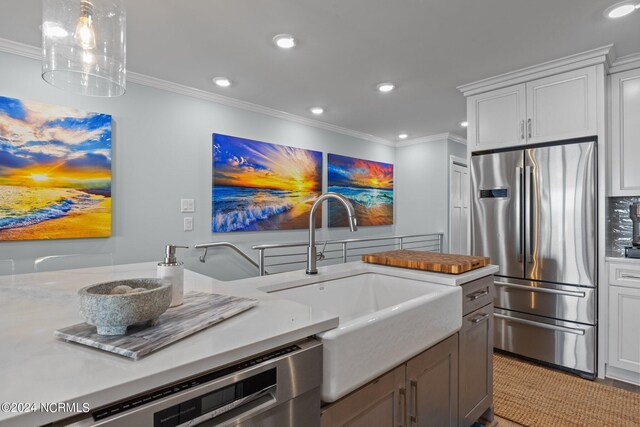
262	186
367	184
55	172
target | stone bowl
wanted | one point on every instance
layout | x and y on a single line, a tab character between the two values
113	313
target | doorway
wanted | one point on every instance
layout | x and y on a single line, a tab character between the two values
459	220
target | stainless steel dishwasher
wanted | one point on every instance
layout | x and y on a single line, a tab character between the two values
279	388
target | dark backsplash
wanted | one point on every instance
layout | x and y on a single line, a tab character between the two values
619	226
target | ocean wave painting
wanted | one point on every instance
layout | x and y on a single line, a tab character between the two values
367	184
55	172
262	186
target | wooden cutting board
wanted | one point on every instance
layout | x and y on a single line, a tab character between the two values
428	261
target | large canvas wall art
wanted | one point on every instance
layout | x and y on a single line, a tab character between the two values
367	184
55	172
261	186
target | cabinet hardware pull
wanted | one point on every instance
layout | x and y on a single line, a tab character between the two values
540	325
480	318
474	296
541	290
414	390
403	408
529	127
522	129
629	276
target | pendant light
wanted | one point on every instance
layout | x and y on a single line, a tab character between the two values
83	45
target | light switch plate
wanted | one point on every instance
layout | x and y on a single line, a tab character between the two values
187	205
188	223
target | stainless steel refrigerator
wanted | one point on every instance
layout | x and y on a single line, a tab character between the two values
534	212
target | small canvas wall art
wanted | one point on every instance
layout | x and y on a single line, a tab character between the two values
55	172
367	184
261	186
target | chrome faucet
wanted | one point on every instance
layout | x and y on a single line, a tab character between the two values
311	249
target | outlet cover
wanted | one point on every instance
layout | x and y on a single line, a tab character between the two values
188	223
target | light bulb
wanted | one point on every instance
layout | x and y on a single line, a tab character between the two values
84	34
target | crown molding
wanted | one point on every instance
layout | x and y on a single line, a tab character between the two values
625	63
20	49
601	55
446	136
33	52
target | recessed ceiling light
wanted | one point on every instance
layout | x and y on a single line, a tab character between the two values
621	9
285	41
222	81
464	124
316	110
403	136
385	87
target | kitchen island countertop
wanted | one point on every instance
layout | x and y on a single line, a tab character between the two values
38	368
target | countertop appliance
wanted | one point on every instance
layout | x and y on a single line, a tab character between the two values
278	388
534	212
633	251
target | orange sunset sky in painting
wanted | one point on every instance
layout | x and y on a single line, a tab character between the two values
45	145
244	163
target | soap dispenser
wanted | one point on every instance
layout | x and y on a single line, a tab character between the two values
173	270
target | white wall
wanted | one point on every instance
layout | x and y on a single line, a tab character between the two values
162	153
422	186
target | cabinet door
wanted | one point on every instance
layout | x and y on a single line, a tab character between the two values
624	328
562	106
381	403
625	134
496	118
476	364
432	376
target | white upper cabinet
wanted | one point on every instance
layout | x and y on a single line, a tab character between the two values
561	106
497	118
625	134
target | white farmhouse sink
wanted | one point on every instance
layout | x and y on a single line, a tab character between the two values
384	321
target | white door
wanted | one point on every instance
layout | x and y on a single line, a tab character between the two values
459	208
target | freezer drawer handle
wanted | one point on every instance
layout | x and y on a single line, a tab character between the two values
480	318
479	294
629	276
542	290
575	331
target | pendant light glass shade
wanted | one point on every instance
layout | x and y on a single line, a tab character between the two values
83	44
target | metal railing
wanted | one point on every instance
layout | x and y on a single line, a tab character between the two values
284	255
229	245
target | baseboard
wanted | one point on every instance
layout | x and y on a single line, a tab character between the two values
623	375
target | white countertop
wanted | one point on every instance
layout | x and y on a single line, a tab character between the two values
36	367
621	258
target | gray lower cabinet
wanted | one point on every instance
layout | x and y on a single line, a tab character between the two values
476	352
380	403
432	397
421	392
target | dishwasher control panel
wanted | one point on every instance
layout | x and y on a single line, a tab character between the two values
217	400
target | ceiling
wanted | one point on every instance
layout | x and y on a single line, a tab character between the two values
346	47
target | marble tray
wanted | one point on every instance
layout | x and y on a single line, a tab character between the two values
199	311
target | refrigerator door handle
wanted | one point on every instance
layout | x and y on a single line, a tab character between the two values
518	203
528	208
